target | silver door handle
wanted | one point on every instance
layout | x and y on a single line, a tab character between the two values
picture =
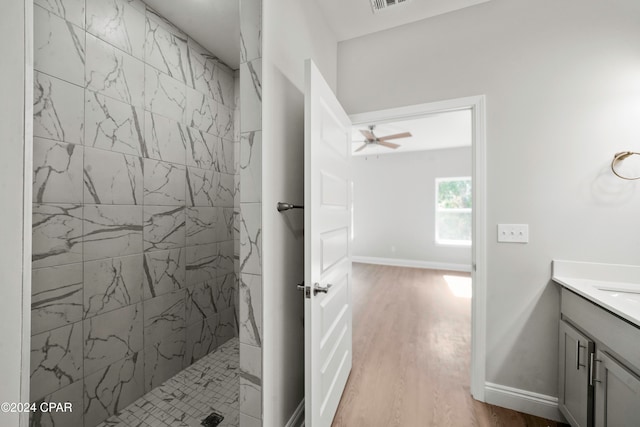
319	289
578	346
592	368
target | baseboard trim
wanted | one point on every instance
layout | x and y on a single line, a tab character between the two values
528	402
412	263
297	418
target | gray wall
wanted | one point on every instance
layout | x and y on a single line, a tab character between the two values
562	84
394	207
133	205
293	31
15	248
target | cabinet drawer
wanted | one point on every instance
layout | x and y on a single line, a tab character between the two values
603	326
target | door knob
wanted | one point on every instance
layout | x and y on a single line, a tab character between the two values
320	289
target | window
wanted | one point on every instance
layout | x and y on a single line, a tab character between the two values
453	211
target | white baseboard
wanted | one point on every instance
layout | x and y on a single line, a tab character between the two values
519	400
297	418
412	263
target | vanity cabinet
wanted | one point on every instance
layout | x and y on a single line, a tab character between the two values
599	366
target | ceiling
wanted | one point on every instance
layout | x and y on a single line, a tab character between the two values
436	131
215	24
355	18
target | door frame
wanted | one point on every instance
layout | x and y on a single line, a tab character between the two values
479	233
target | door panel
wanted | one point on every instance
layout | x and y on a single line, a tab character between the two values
575	395
617	393
328	325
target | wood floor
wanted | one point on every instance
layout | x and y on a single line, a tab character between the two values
411	353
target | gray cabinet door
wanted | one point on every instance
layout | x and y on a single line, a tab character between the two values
617	393
575	397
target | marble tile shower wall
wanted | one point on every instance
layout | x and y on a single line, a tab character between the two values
135	234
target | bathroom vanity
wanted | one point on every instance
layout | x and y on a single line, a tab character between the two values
599	343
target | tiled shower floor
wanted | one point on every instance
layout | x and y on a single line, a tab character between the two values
209	385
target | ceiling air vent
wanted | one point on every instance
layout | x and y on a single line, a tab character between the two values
379	5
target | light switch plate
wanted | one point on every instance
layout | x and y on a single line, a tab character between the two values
513	233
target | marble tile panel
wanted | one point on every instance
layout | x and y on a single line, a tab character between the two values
203	224
199	148
250	397
112	178
201	67
56	359
164	316
114	73
57	172
166	139
112	283
201	339
57	234
227	326
164	227
202	186
118	23
224	122
201	111
225	292
251	363
226	230
251	167
251	95
223	156
164	359
72	394
164	183
225	258
69	10
58	109
56	297
113	388
201	263
58	47
164	23
111	231
166	50
201	301
250	316
111	336
222	85
251	238
114	125
164	271
164	95
226	190
250	30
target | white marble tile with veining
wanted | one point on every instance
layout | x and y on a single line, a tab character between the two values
164	227
114	73
201	338
201	111
58	47
225	258
200	67
57	234
251	167
251	96
201	263
164	95
111	336
114	125
69	10
201	301
223	151
226	190
118	23
224	122
57	172
112	178
250	397
222	85
58	109
199	148
56	297
203	224
112	230
166	139
251	238
164	359
164	272
250	30
166	50
112	283
226	230
250	316
202	186
164	183
56	359
164	316
72	394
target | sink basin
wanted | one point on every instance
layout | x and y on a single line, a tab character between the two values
623	294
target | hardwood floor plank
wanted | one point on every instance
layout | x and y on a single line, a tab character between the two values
411	355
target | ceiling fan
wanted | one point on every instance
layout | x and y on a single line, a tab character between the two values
371	138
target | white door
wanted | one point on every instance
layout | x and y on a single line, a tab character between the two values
327	241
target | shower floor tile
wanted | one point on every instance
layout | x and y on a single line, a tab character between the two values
210	385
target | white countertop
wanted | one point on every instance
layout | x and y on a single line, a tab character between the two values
614	287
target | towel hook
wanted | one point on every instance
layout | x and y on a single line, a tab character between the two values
618	157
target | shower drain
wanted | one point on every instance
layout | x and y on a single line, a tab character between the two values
212	420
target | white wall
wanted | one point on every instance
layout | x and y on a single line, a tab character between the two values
15	250
293	31
562	81
394	206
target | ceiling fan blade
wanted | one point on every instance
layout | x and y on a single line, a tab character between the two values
395	136
388	144
367	134
361	148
